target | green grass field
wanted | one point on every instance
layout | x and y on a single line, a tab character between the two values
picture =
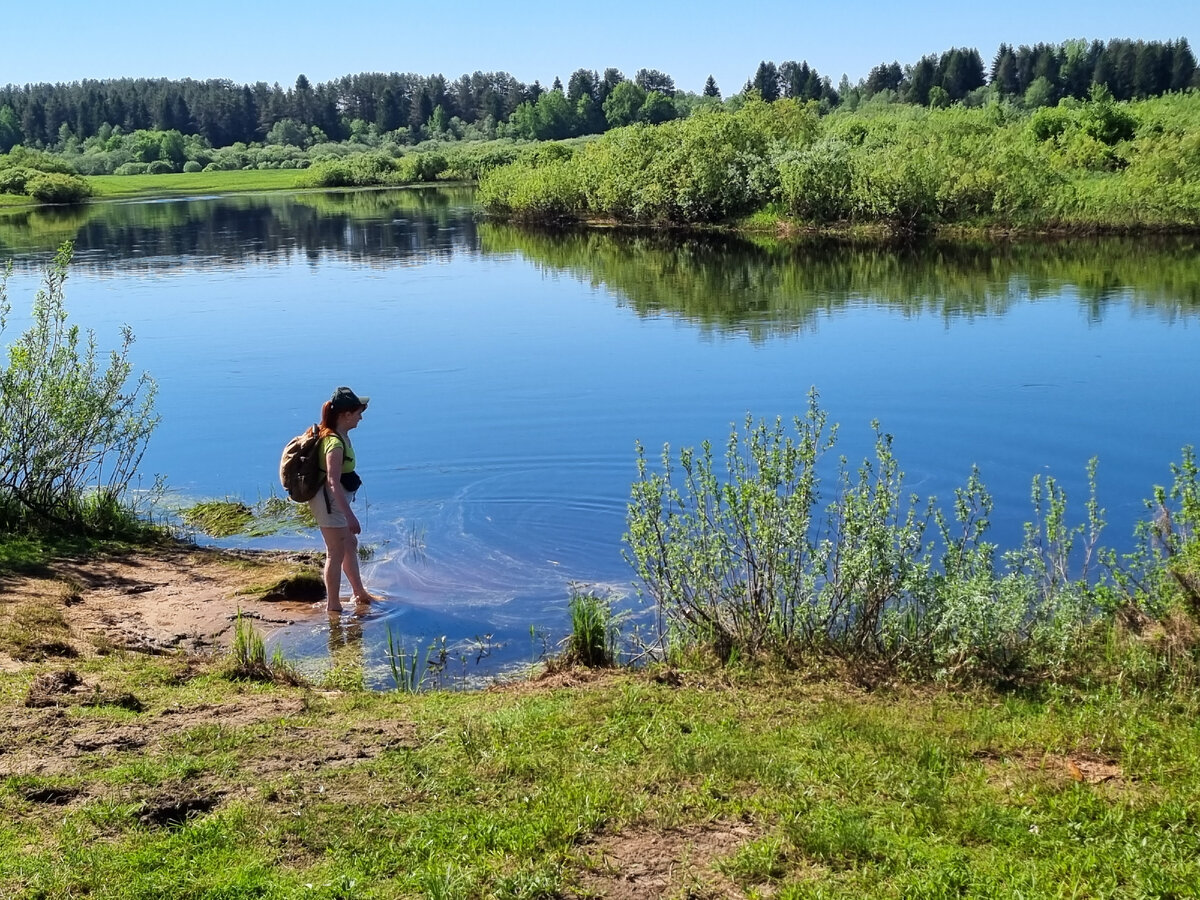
182	184
158	776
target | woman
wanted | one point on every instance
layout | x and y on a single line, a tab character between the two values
331	507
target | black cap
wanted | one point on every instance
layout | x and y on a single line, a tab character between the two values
345	400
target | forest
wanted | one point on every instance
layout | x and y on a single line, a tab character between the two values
87	120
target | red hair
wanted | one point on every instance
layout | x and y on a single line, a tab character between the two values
328	419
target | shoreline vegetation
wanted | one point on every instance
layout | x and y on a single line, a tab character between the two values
1086	166
1077	137
788	167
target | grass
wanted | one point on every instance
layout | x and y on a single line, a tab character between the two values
225	518
35	630
767	784
28	553
110	187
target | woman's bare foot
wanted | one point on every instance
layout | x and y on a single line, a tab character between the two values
332	608
365	599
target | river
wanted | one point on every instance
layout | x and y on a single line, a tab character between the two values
511	374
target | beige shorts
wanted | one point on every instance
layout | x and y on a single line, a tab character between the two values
326	512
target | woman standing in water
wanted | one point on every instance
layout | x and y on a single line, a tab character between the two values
331	506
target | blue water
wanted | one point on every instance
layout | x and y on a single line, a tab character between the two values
508	391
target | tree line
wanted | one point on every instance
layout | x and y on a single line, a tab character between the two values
411	108
1039	75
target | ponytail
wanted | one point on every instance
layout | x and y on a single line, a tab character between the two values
328	420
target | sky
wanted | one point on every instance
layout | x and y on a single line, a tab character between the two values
265	40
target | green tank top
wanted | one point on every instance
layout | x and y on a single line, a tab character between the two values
334	440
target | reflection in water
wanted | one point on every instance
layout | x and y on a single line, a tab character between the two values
761	287
728	283
383	227
345	640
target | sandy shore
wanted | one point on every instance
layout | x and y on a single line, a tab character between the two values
164	599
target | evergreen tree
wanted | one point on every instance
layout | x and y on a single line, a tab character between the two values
884	77
10	129
1004	71
1183	65
390	116
582	83
653	80
766	81
711	89
920	78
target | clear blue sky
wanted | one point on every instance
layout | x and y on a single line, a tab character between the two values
249	40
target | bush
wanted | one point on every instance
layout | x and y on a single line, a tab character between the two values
419	167
1050	122
159	167
814	183
132	168
546	193
51	187
39	160
192	166
749	556
72	431
363	170
12	181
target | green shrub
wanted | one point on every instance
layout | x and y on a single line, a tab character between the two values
38	160
545	152
419	167
544	193
159	167
1050	122
52	187
12	181
192	166
751	555
72	430
814	183
132	168
896	184
362	170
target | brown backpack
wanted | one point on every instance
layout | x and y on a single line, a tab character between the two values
300	466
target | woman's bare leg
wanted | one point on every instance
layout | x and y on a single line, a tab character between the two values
350	567
335	556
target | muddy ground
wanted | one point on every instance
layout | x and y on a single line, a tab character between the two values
176	598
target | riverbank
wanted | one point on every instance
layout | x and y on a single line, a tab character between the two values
127	771
171	185
175	597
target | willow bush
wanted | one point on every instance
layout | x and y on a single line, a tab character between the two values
1089	164
756	554
73	425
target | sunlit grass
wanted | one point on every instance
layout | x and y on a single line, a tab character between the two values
236	788
183	183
